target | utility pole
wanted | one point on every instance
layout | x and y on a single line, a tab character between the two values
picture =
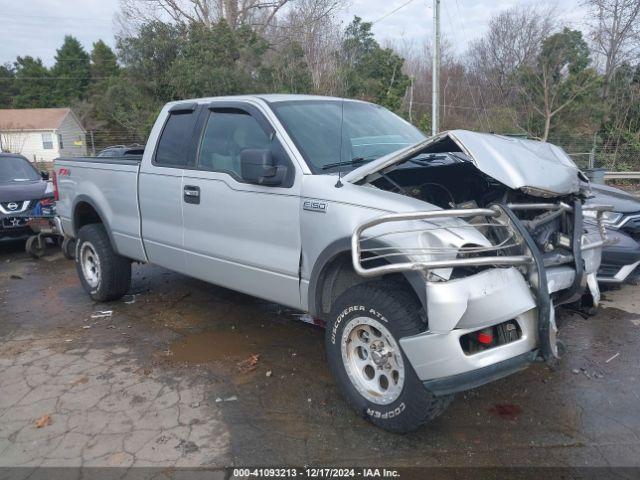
411	101
93	145
435	97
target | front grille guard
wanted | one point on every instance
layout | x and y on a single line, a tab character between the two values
398	259
394	258
546	324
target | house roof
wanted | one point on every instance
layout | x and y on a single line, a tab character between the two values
32	118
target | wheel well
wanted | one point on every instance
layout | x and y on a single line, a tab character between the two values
338	275
84	214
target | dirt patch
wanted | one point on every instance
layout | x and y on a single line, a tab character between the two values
269	336
213	346
507	411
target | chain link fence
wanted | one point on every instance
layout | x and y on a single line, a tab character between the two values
592	153
98	140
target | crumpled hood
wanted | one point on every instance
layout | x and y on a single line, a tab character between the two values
515	162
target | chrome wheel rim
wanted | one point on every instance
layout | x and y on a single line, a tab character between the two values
372	360
90	263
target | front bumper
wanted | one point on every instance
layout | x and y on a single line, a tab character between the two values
456	308
481	376
459	307
620	260
14	226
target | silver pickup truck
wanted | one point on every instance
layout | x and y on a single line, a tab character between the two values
435	263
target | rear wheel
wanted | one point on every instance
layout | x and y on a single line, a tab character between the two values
68	248
365	358
104	274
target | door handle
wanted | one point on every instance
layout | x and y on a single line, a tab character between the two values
191	194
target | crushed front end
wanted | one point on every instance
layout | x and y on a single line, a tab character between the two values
492	283
507	245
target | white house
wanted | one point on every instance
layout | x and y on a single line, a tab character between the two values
42	134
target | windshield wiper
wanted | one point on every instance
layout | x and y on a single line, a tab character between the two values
353	161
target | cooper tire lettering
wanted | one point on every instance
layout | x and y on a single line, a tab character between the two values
388	414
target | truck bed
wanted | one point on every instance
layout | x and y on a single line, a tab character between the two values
109	185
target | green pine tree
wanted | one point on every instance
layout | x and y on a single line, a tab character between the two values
371	72
103	62
72	72
7	85
32	84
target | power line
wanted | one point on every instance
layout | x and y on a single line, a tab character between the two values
391	12
11	79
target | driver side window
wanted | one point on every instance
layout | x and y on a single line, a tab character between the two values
228	132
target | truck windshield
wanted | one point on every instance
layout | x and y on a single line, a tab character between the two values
16	169
334	134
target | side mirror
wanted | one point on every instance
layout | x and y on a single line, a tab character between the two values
44	174
259	167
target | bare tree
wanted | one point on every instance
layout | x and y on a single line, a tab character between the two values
314	25
462	102
235	12
12	140
513	39
615	31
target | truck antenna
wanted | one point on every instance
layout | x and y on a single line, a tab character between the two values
339	182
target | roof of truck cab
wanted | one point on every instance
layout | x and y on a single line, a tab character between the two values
268	97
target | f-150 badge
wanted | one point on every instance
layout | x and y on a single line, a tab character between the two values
315	206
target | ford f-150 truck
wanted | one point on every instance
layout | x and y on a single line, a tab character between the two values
435	263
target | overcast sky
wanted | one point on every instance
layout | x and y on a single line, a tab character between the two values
37	27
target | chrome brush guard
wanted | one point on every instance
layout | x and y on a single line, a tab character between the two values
390	254
395	259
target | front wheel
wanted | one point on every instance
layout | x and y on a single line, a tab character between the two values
104	274
364	355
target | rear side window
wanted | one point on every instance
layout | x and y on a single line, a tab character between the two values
173	148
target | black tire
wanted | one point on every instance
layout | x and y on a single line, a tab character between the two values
69	248
113	277
391	303
35	247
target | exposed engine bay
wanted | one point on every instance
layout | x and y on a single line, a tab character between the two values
451	180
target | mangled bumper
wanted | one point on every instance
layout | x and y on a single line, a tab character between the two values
462	306
517	290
